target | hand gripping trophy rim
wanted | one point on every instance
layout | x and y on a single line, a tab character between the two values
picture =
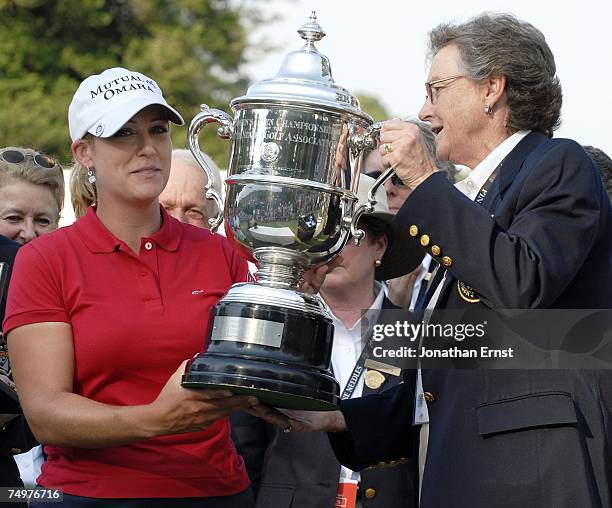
369	139
205	116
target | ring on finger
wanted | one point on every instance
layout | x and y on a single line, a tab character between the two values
388	148
287	429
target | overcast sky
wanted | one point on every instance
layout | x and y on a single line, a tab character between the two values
378	47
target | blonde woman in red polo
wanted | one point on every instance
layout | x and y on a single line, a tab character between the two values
103	313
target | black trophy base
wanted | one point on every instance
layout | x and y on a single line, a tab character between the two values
273	384
286	367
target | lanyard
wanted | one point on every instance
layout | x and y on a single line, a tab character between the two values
482	193
358	369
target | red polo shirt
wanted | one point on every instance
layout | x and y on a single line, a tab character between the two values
134	319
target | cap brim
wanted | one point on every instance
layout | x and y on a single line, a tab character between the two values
116	118
403	254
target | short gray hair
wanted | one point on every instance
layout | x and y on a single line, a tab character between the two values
186	156
492	44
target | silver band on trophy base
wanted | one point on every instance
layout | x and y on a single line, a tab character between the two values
297	143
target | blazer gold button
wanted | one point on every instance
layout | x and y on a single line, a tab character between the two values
413	230
425	240
435	250
370	493
447	261
429	397
15	451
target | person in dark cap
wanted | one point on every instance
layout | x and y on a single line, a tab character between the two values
290	470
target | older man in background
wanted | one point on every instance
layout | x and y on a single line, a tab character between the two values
184	196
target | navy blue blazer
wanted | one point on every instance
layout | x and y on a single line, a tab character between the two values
499	437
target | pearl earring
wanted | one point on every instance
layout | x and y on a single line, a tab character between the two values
377	263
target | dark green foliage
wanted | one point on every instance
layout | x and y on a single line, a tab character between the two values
194	49
373	107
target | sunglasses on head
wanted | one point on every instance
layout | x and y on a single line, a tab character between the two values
18	157
395	180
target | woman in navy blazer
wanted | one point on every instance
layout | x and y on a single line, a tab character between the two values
529	228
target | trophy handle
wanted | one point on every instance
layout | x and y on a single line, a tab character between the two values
369	139
208	115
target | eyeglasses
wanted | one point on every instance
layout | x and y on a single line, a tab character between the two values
395	180
430	89
17	157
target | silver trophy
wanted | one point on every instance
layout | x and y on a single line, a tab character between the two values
297	142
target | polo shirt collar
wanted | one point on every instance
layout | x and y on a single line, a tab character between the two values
100	240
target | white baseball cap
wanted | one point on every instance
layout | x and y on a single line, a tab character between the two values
104	102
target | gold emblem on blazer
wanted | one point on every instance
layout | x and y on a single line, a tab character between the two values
374	379
467	293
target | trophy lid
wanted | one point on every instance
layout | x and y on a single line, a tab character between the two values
305	77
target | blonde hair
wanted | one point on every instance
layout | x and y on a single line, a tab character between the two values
83	194
29	171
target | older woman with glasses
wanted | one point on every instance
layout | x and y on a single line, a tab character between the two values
31	194
31	200
529	228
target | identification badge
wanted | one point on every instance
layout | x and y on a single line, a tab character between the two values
382	367
346	496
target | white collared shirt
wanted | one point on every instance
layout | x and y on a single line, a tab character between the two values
347	344
416	288
476	178
346	350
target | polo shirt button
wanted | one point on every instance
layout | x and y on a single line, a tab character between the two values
148	245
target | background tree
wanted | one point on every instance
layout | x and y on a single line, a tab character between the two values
194	49
373	107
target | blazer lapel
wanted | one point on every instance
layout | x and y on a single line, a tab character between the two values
508	170
513	163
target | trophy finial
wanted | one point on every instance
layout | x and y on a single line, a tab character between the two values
311	32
